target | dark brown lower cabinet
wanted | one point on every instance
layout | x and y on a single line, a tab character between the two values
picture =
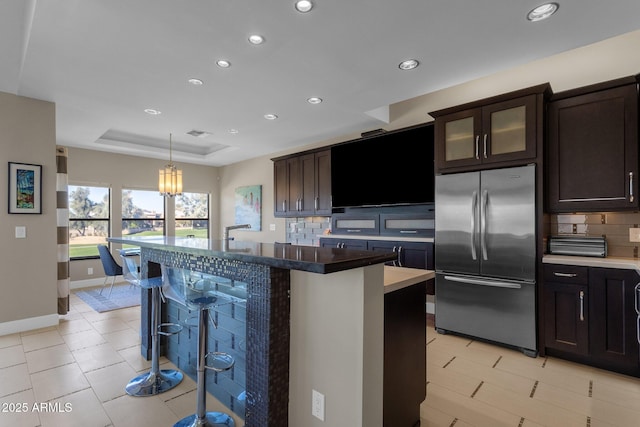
613	326
565	316
590	317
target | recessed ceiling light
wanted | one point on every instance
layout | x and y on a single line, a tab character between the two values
196	82
233	131
223	63
256	39
314	100
542	12
409	64
303	6
152	112
270	116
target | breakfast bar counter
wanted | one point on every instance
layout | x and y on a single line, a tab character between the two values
313	319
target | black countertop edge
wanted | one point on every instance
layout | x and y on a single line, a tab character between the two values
312	259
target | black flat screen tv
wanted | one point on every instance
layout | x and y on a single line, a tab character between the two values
387	169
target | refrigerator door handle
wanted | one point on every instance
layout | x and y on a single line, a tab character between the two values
474	209
483	224
483	282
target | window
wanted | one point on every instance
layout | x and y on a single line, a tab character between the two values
142	213
89	220
192	215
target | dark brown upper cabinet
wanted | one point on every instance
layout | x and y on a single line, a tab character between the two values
497	131
302	184
592	152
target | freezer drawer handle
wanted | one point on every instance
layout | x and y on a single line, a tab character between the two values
555	273
582	306
483	282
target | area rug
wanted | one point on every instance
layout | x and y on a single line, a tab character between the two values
122	296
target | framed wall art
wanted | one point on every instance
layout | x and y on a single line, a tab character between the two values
248	204
25	188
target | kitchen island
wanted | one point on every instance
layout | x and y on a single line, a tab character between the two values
314	321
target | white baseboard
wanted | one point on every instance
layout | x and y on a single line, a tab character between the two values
29	324
90	283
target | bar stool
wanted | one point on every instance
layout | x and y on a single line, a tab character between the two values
198	293
155	381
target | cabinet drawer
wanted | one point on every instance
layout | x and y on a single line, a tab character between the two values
360	224
407	225
574	274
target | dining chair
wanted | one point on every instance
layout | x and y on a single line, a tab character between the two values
110	266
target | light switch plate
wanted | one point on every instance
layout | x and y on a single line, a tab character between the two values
634	234
21	232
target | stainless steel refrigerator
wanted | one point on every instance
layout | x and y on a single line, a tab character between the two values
485	256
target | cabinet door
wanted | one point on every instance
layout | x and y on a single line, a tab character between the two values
566	317
613	324
457	138
409	254
593	151
509	130
307	176
280	187
294	173
322	202
386	246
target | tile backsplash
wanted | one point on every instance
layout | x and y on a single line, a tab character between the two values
306	231
614	226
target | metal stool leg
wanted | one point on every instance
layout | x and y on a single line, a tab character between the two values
155	381
202	417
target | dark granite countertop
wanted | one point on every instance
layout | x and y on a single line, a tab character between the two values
291	257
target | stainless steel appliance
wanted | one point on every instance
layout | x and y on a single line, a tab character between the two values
486	255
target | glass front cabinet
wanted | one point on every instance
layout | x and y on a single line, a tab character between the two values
500	131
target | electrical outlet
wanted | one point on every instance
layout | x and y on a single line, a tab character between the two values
634	234
272	227
90	271
317	405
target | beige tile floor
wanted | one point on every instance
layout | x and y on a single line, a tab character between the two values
471	383
75	374
80	367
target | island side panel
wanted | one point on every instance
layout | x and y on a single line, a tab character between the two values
337	347
268	338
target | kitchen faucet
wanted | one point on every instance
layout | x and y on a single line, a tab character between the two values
233	227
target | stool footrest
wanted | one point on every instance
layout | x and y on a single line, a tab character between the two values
177	329
221	361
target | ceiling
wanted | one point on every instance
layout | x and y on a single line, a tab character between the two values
103	62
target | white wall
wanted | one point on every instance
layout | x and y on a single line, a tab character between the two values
28	284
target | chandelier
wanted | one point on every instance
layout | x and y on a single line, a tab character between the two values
170	178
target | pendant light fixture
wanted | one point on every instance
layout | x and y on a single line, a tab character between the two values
170	178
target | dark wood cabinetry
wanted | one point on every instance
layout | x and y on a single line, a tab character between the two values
566	306
613	329
343	243
506	129
409	254
590	316
302	184
592	150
